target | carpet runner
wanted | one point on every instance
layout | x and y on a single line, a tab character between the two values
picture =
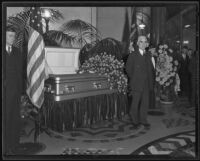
170	145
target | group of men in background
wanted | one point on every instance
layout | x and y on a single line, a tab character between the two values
188	74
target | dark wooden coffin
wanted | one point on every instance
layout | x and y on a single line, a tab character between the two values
70	86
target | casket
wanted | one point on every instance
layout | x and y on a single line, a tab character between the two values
71	86
62	60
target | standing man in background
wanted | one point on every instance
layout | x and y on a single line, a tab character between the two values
184	72
141	73
12	89
193	67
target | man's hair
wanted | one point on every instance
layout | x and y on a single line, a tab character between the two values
10	28
141	36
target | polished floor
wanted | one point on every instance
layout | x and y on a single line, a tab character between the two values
118	137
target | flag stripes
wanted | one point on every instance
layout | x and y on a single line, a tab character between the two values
36	64
37	89
36	68
34	44
36	60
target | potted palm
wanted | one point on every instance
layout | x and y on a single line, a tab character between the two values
166	78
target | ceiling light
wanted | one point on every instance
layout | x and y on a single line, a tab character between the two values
186	26
186	42
142	25
47	13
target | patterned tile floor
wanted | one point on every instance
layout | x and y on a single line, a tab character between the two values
116	137
167	145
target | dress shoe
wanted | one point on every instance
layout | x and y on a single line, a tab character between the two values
136	126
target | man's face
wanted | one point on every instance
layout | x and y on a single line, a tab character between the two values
142	42
190	52
10	37
185	50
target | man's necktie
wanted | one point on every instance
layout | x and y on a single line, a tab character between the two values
144	52
9	49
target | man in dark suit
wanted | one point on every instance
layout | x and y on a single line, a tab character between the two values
140	70
12	88
184	72
193	66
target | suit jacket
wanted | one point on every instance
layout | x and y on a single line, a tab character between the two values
140	73
184	63
17	64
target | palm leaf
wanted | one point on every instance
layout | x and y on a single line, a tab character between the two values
84	52
55	14
26	9
75	34
108	45
21	23
83	31
63	40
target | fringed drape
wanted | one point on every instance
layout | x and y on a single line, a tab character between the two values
83	112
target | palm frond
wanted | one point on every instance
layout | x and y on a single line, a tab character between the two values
85	53
20	20
26	9
84	31
108	45
63	40
21	23
75	33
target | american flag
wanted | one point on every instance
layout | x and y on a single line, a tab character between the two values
134	31
36	59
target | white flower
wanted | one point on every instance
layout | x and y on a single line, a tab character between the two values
176	62
160	46
157	79
170	50
167	84
175	68
165	46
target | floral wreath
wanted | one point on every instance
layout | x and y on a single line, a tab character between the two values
108	65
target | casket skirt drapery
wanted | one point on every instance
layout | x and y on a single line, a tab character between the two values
80	100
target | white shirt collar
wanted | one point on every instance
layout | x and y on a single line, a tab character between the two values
141	51
8	46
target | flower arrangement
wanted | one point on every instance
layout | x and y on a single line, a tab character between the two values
166	74
108	65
